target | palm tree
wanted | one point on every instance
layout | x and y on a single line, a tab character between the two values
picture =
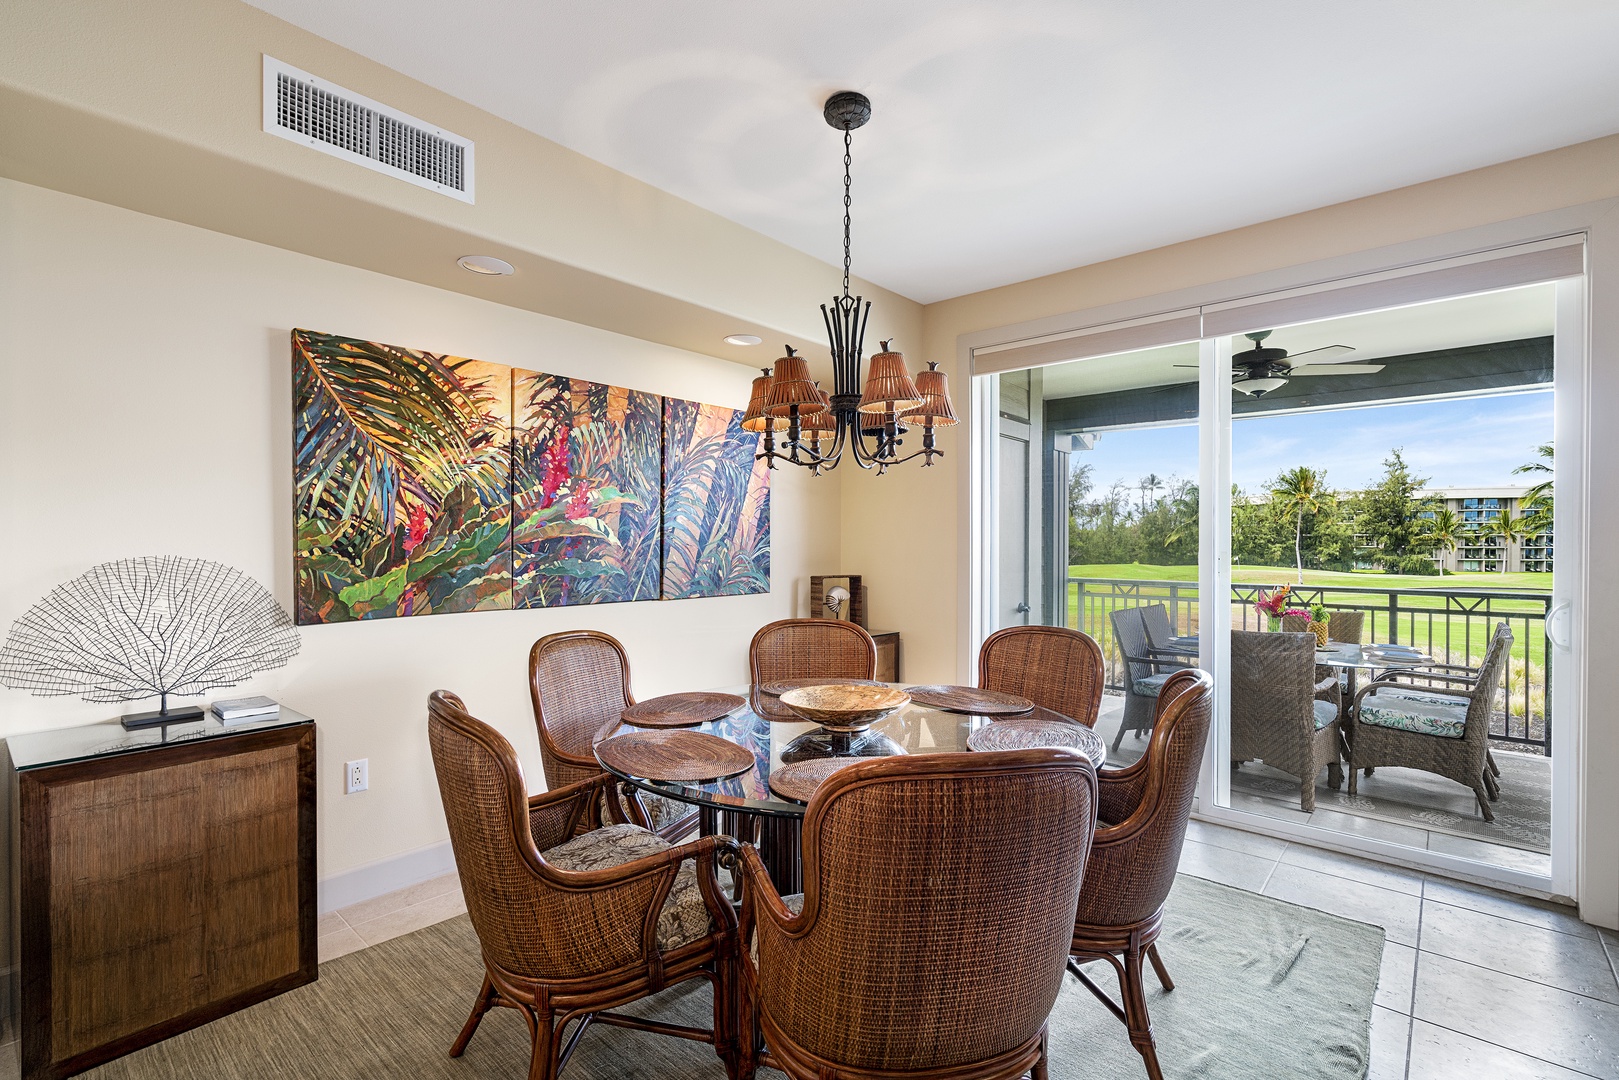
1537	500
1445	530
1505	530
1149	486
1300	490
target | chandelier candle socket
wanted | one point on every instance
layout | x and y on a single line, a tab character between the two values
868	416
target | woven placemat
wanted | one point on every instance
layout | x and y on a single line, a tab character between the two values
1028	734
970	699
681	757
781	686
798	780
681	710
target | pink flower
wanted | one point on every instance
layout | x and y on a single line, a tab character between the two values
579	503
416	527
556	467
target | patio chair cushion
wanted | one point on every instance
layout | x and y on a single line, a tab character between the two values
684	918
659	810
1416	712
1148	686
1325	713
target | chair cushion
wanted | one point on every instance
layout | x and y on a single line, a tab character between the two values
1325	713
659	810
684	918
1416	712
1151	684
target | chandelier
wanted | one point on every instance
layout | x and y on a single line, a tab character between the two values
803	424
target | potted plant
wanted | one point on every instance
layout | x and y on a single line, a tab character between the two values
1271	605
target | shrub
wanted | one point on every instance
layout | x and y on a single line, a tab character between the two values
1419	565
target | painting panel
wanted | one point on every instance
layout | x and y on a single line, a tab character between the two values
585	492
716	504
401	479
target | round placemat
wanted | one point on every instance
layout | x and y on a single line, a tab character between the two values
970	699
799	780
681	710
781	686
1028	734
681	757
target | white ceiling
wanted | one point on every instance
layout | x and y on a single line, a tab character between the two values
1012	138
1508	315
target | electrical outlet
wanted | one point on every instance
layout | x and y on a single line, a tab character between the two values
356	775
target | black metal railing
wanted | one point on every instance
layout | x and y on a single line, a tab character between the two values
1451	625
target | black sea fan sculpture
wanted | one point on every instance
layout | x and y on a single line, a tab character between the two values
148	627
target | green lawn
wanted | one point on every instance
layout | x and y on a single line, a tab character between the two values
1286	575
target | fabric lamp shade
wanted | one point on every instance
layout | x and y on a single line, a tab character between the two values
935	408
790	386
755	419
888	385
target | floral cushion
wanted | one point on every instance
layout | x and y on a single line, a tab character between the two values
1148	686
1423	714
1325	713
684	918
659	810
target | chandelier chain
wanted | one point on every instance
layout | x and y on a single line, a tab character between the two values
848	160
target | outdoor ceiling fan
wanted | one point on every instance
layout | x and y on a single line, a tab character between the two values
1258	371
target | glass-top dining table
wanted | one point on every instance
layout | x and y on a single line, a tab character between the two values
745	806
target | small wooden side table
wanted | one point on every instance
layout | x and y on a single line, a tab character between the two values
160	879
887	655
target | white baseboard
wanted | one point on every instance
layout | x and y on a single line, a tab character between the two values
383	876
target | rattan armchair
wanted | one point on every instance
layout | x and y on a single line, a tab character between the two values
1055	667
1275	714
571	926
937	909
1434	719
579	681
1143	814
808	649
1145	671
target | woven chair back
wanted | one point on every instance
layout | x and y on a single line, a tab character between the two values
1128	881
1295	624
1155	618
1272	691
533	922
1055	667
1130	635
579	680
1347	626
1490	675
812	649
938	901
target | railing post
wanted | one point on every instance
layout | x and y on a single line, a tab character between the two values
1394	618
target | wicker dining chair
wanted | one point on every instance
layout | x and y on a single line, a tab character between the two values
1161	632
1143	813
1055	667
809	649
1433	720
934	924
1275	714
579	681
1344	627
573	925
1144	671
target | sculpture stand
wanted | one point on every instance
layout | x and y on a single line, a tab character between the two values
162	717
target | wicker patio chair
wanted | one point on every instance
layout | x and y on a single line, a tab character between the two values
573	925
1144	672
809	649
1055	667
1143	813
1275	715
579	681
1160	632
930	938
1433	720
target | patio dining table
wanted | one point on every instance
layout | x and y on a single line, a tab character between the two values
745	806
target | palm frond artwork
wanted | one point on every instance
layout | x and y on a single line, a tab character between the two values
402	481
585	492
716	504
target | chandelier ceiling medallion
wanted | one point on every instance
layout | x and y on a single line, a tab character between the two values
803	424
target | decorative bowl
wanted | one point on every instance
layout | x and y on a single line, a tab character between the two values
844	706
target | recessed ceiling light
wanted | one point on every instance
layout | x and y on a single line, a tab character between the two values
743	339
487	265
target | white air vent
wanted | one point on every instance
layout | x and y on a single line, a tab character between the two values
300	107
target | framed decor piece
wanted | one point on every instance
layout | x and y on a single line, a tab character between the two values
838	596
586	492
716	504
402	481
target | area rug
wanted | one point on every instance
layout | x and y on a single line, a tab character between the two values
1263	989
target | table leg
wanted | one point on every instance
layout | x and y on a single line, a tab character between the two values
780	851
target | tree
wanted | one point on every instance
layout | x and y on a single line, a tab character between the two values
1537	500
1390	513
1504	530
1444	530
1300	490
1149	486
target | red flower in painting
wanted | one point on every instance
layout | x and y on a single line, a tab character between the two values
579	503
416	527
555	464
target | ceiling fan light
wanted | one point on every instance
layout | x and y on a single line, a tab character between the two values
1259	387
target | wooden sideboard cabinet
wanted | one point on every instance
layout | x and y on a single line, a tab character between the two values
887	655
159	880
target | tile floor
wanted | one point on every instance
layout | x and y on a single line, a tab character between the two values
1475	983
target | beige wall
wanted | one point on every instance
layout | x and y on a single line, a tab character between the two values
145	408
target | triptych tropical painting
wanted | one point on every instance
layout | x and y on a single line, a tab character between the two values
428	484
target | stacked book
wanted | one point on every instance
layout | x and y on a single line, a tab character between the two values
245	710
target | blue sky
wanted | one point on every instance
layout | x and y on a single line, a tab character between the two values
1472	442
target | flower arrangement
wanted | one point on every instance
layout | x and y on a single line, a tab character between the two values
1271	605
